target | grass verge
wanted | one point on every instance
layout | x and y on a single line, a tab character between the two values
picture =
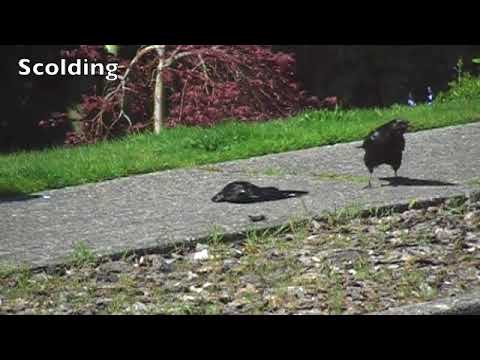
29	172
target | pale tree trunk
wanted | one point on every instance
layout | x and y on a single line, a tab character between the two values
158	111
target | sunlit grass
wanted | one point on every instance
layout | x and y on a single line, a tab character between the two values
27	172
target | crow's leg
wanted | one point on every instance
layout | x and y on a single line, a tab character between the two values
395	168
369	186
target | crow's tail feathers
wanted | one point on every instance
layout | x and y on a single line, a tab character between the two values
292	193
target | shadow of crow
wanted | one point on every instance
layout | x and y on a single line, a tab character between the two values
404	181
241	192
385	145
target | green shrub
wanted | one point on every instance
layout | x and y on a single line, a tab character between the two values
466	86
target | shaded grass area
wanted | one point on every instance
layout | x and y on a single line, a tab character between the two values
27	172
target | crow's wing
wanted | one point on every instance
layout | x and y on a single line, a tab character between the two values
381	136
377	138
399	142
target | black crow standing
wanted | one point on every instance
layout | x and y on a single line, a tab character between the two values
385	145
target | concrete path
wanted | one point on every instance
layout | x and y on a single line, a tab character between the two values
158	209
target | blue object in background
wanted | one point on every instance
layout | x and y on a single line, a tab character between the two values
429	95
411	101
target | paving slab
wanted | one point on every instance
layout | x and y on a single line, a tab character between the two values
466	304
174	207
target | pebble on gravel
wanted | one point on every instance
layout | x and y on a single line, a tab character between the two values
201	255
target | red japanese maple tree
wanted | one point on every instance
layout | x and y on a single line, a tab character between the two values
195	85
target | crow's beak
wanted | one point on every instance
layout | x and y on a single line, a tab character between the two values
218	198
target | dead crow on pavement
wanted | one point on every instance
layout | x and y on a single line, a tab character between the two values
244	192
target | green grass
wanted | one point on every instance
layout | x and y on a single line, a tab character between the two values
474	182
82	255
28	172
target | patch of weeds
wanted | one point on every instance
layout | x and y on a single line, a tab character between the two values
372	304
270	171
281	230
343	215
329	281
81	298
216	236
252	243
180	308
91	291
424	237
384	226
181	248
264	172
362	269
474	182
22	284
341	178
455	202
351	212
336	299
455	206
403	240
248	264
211	169
364	240
271	272
257	241
118	303
412	204
276	299
274	172
7	270
127	255
332	283
340	241
421	288
458	245
23	279
412	283
381	212
381	275
211	309
299	228
428	292
163	300
159	294
82	255
126	283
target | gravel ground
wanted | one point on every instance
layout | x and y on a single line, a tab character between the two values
341	264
